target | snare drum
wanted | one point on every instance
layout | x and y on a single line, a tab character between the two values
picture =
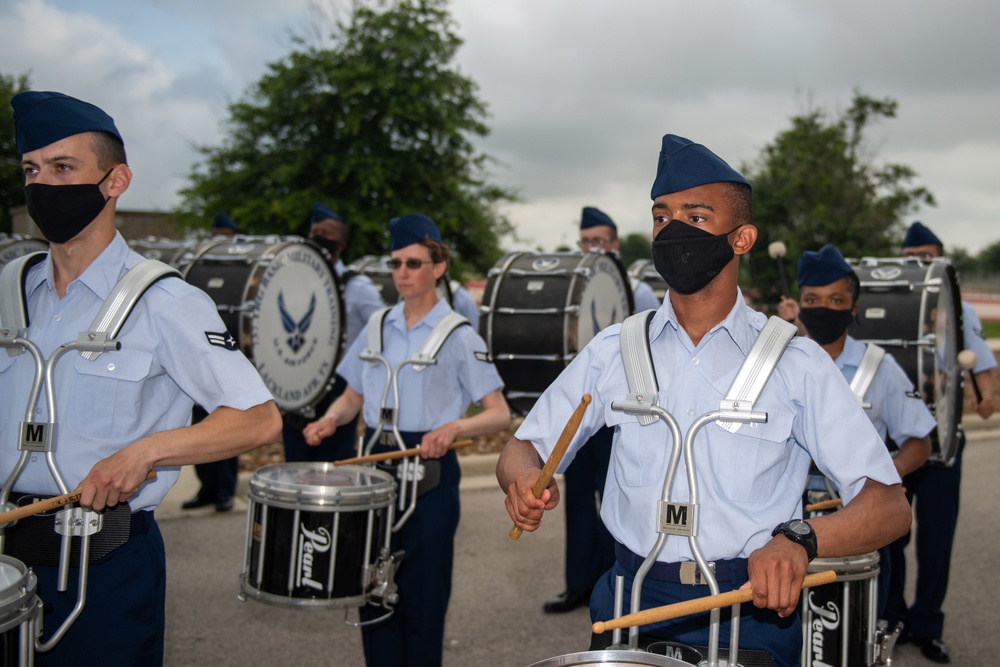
13	246
282	302
315	533
175	252
643	271
18	608
377	268
540	310
611	658
912	307
838	620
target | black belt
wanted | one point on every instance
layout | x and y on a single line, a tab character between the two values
34	541
732	570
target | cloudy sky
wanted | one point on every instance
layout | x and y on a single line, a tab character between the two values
579	91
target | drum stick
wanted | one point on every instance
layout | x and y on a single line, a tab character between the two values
967	360
557	453
777	252
48	504
399	454
698	605
833	503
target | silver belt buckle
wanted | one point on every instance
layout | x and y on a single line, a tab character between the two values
386	438
691	574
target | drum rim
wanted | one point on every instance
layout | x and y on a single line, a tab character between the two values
259	595
17	601
270	490
624	657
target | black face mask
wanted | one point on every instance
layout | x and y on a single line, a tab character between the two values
825	325
689	258
331	246
63	211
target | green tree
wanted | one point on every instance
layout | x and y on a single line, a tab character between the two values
11	176
378	124
989	258
816	183
635	246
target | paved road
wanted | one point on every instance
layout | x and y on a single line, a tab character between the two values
495	616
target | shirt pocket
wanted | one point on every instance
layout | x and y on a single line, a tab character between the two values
639	453
748	465
107	392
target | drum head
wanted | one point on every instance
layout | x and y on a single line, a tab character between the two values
318	485
12	247
912	308
642	270
611	658
17	592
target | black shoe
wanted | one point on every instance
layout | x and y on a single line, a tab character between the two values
224	505
568	600
933	649
195	503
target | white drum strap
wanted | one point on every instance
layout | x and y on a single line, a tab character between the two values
375	334
13	308
756	369
866	372
124	295
443	329
638	362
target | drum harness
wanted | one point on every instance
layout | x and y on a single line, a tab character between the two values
410	470
735	409
39	437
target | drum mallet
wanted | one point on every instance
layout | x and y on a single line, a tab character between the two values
398	454
699	605
777	252
557	453
967	360
48	504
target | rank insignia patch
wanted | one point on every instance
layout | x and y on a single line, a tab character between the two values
223	339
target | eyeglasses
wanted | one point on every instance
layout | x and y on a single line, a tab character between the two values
588	243
412	263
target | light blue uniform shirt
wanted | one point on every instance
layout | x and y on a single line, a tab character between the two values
166	365
430	397
645	298
975	340
361	299
895	409
463	304
749	481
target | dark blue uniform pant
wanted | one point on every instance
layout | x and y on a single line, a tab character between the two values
933	492
123	619
218	478
414	635
590	549
341	445
759	628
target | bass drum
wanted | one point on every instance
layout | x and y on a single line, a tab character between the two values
282	302
643	271
912	308
13	246
540	310
175	252
377	268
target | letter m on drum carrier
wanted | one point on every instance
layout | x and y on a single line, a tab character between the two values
677	518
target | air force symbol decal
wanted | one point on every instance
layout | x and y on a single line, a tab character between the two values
222	339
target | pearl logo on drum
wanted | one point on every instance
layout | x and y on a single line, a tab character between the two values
310	543
824	621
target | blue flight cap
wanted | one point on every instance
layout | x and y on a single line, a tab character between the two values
918	235
412	228
594	217
321	211
684	164
822	268
42	118
223	221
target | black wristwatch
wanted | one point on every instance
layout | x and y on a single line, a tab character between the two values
800	532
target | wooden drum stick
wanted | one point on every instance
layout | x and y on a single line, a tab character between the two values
557	453
48	504
833	503
398	454
707	603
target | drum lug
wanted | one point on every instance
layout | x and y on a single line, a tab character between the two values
382	576
884	642
77	522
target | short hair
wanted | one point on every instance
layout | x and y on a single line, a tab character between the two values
854	283
439	251
109	151
741	198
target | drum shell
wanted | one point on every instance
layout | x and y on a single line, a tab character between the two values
18	605
283	304
611	658
310	543
838	619
13	246
174	252
642	270
540	310
912	308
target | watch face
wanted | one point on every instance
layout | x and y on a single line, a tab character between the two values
799	527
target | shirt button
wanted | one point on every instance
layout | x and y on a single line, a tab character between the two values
111	366
57	318
695	361
690	412
38	411
34	459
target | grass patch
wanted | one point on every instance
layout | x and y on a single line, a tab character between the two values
991	329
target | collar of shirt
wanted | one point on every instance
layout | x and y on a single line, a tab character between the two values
850	357
339	267
742	324
100	277
396	318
